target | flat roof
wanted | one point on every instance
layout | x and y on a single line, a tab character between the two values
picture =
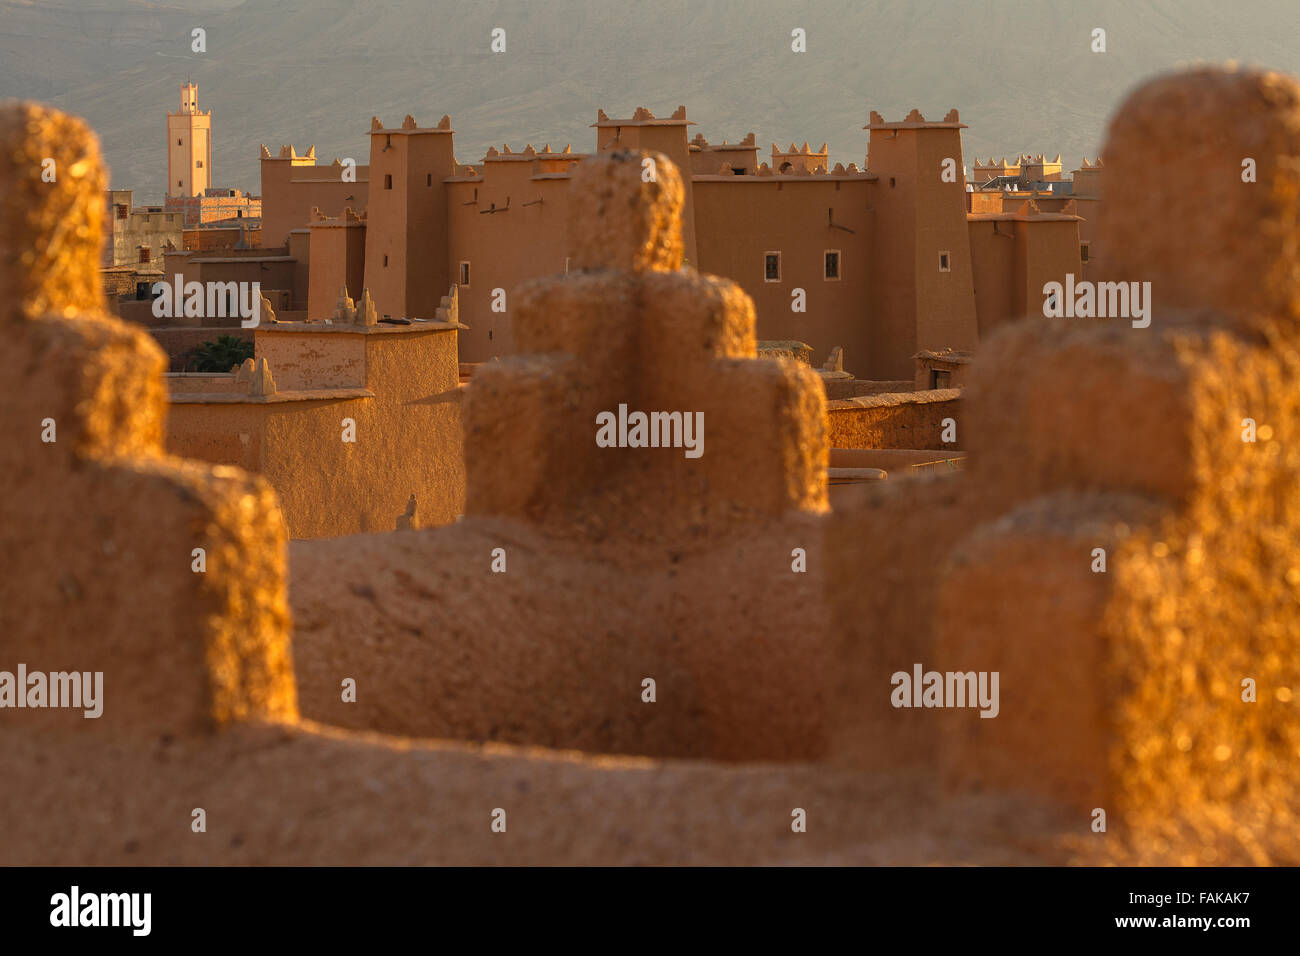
512	157
406	131
784	178
380	328
916	125
246	259
289	395
317	179
1027	217
602	124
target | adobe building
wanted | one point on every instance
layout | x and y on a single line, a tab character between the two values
739	159
946	369
1108	549
1122	689
337	249
1016	252
217	208
351	421
294	185
138	235
1087	194
1001	188
281	275
189	146
1026	172
190	192
223	234
878	261
800	159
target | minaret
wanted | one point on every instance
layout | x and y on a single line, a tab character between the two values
189	146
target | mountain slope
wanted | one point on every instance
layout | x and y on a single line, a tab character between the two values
315	71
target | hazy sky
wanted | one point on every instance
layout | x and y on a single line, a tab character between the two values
1021	72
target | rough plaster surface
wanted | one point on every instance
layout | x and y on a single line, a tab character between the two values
1122	689
98	526
554	650
895	420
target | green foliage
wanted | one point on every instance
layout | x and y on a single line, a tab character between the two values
220	355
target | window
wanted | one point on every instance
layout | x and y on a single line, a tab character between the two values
144	254
940	378
891	182
179	184
180	143
945	263
198	164
121	212
388	180
771	267
464	273
831	270
385	262
1083	251
428	179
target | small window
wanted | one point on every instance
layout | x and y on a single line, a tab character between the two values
464	273
121	212
831	268
945	262
1083	251
179	184
428	179
771	267
940	378
388	180
144	254
385	262
891	182
180	143
198	164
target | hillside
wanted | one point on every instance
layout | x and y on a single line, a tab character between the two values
315	71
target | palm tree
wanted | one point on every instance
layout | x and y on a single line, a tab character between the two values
219	356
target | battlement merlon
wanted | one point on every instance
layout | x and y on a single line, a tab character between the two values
288	154
408	127
914	120
643	117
